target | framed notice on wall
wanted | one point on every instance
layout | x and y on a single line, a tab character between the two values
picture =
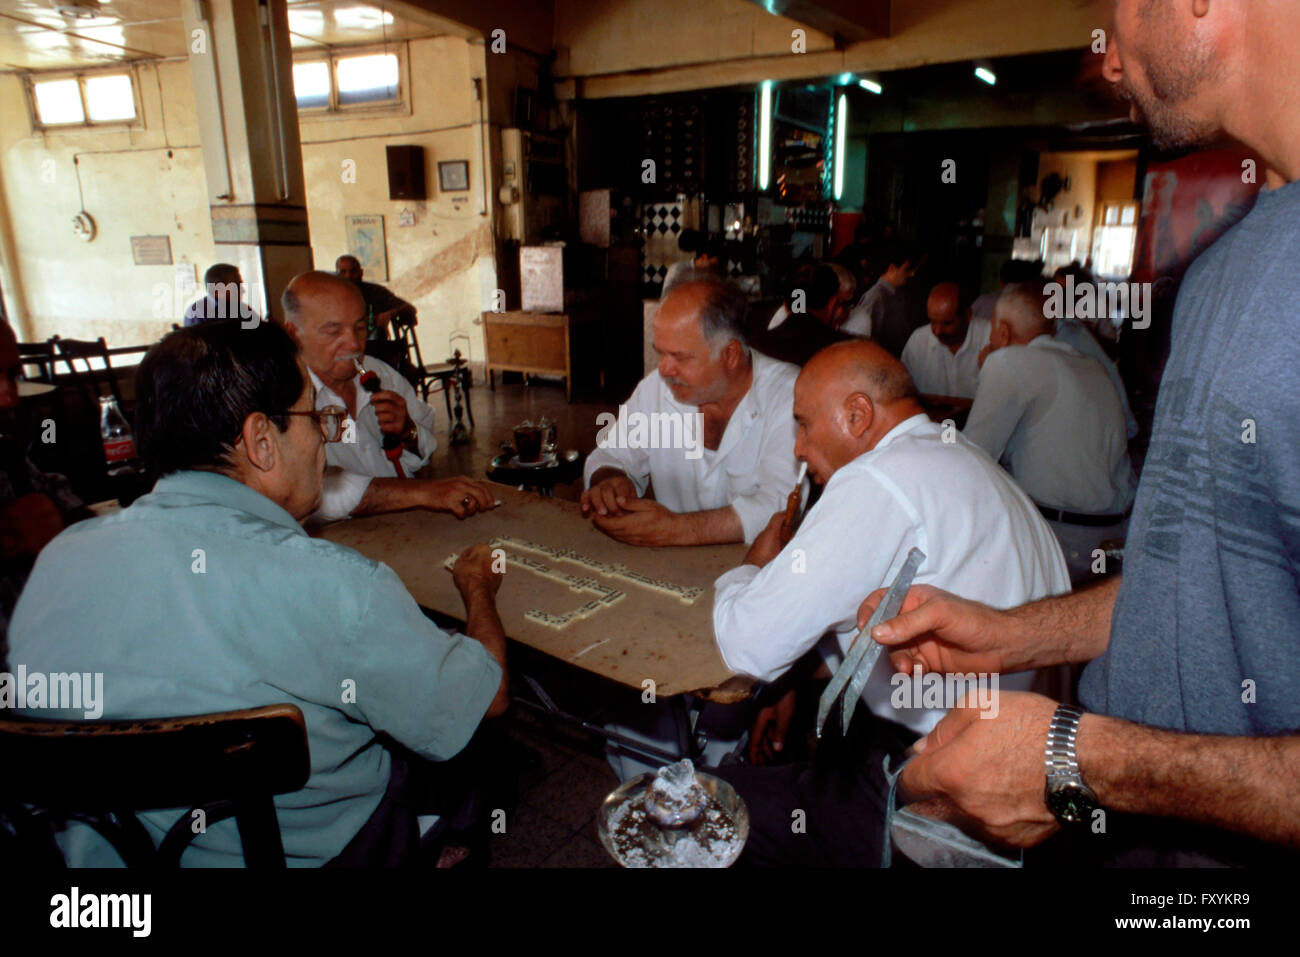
151	250
366	242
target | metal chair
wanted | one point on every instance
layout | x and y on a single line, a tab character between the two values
452	374
229	764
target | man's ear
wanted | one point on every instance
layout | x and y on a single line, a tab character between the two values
860	412
294	332
732	353
261	442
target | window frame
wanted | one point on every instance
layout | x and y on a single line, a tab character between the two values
30	80
331	58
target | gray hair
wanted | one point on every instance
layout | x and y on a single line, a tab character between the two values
722	313
1023	306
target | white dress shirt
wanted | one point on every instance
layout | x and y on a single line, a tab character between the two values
1075	334
982	537
778	318
937	370
753	469
982	308
1051	416
363	459
878	300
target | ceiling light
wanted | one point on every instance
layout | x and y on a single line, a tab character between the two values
871	86
988	76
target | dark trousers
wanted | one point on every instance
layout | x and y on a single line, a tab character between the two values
829	812
462	791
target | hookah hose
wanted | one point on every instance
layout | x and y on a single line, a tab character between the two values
392	443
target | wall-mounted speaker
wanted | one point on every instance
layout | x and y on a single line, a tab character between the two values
406	172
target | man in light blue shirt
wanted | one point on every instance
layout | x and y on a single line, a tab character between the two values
207	595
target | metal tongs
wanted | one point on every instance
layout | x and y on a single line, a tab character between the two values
864	651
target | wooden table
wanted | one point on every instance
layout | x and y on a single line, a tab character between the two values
647	635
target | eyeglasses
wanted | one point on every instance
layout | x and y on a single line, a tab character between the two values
329	420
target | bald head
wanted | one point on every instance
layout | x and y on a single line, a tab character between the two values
1020	315
948	320
846	399
326	316
348	267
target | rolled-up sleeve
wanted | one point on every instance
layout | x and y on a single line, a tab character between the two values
341	493
425	687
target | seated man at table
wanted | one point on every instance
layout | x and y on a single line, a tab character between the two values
943	357
893	480
723	411
224	298
382	307
1052	417
206	595
326	316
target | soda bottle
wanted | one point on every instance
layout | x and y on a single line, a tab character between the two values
119	440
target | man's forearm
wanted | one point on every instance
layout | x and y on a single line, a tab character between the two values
483	624
392	495
715	526
1239	784
1068	629
608	472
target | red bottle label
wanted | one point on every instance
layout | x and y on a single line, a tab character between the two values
119	450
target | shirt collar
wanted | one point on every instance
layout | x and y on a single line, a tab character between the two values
218	489
327	396
907	426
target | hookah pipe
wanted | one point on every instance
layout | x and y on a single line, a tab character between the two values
392	443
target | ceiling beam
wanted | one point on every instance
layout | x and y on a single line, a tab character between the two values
848	21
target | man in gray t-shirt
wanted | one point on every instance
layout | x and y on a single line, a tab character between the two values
1192	752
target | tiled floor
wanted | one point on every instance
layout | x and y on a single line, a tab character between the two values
554	824
560	791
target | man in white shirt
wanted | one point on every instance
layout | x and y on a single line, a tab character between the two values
326	316
943	357
719	447
894	481
1051	416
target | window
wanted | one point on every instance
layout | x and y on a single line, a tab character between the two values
1114	240
84	100
340	82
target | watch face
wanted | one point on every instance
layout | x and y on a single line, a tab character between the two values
1072	802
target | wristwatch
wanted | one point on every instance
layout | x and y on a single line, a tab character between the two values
1068	797
412	431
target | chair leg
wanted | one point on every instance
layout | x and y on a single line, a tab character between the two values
446	397
259	832
464	388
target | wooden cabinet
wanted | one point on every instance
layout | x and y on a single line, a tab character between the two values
530	342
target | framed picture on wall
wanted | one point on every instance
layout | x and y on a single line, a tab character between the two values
366	241
453	176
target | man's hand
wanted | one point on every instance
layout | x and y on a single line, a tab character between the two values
992	769
390	410
768	544
642	521
767	738
603	497
939	631
461	496
473	574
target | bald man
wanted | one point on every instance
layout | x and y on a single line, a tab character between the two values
382	307
894	481
1052	417
943	357
326	316
719	447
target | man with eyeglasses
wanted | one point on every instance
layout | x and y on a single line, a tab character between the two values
326	316
206	595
